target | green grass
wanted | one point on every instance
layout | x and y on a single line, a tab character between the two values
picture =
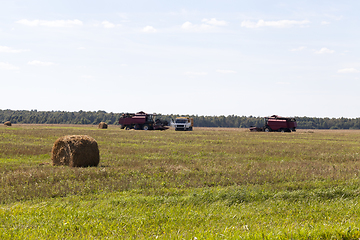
203	213
205	184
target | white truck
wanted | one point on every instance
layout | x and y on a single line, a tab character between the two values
183	124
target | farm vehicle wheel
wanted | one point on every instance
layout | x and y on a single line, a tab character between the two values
145	127
267	129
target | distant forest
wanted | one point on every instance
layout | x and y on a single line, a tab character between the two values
233	121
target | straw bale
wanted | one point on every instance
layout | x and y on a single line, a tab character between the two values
75	151
103	125
7	123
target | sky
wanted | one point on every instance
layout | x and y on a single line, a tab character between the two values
258	58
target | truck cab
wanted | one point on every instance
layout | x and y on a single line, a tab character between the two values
183	124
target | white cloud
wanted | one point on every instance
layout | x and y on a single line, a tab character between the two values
107	24
123	65
324	50
39	63
29	23
195	73
214	22
207	24
298	49
324	23
196	27
225	71
187	25
7	66
56	23
124	17
10	50
277	24
348	70
81	48
149	29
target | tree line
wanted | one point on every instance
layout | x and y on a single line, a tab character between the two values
234	121
58	117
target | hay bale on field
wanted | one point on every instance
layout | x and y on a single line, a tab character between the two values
7	123
103	125
75	151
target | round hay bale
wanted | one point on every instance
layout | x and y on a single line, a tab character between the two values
75	151
7	123
103	125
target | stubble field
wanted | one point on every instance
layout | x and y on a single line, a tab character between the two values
205	184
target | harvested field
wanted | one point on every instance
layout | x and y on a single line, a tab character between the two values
182	184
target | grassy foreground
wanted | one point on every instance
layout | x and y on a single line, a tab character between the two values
205	184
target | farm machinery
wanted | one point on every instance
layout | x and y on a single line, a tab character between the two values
141	121
276	123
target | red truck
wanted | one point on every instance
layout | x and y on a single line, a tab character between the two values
141	121
276	123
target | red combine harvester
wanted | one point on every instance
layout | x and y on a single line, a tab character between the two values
141	121
277	124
